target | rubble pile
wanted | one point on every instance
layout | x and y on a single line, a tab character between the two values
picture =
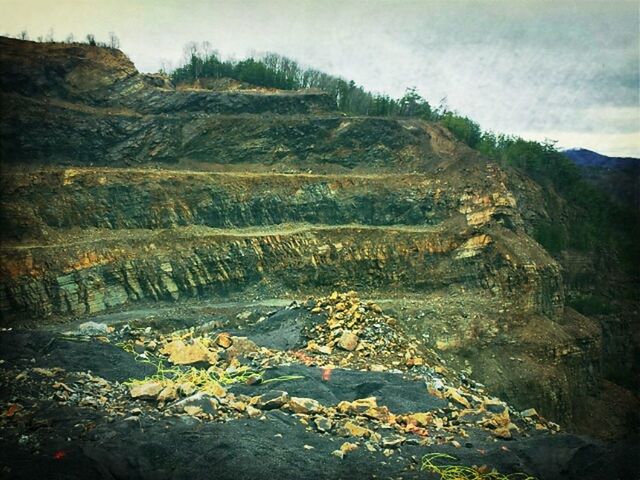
360	335
356	335
210	375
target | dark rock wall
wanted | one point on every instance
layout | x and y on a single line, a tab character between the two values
52	132
63	199
93	276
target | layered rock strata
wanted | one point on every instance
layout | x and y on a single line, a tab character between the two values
119	188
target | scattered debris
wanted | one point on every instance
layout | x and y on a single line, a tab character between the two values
195	376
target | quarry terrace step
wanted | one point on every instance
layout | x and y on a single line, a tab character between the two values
94	270
130	109
34	130
162	101
96	236
35	201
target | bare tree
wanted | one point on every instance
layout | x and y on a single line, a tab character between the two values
70	38
114	41
192	56
91	39
49	37
23	35
206	49
190	50
166	66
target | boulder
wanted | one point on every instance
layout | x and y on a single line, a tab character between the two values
271	400
348	341
181	353
198	403
146	391
304	405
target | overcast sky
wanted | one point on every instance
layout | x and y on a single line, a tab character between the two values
556	69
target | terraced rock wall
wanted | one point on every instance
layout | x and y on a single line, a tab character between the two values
143	238
274	194
145	199
284	137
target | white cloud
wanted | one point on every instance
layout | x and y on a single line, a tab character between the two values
611	144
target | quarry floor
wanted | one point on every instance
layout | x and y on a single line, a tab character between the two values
96	430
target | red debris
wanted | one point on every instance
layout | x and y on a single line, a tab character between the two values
13	408
326	374
60	454
303	357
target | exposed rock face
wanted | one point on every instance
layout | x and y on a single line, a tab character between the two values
54	198
60	70
395	208
80	273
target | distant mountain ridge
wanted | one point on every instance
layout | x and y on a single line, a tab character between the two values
588	158
618	176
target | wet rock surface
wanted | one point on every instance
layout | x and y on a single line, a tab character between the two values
54	350
117	407
399	394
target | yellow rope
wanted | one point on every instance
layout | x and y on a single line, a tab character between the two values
462	472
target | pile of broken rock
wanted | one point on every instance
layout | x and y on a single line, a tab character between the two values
349	375
211	376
